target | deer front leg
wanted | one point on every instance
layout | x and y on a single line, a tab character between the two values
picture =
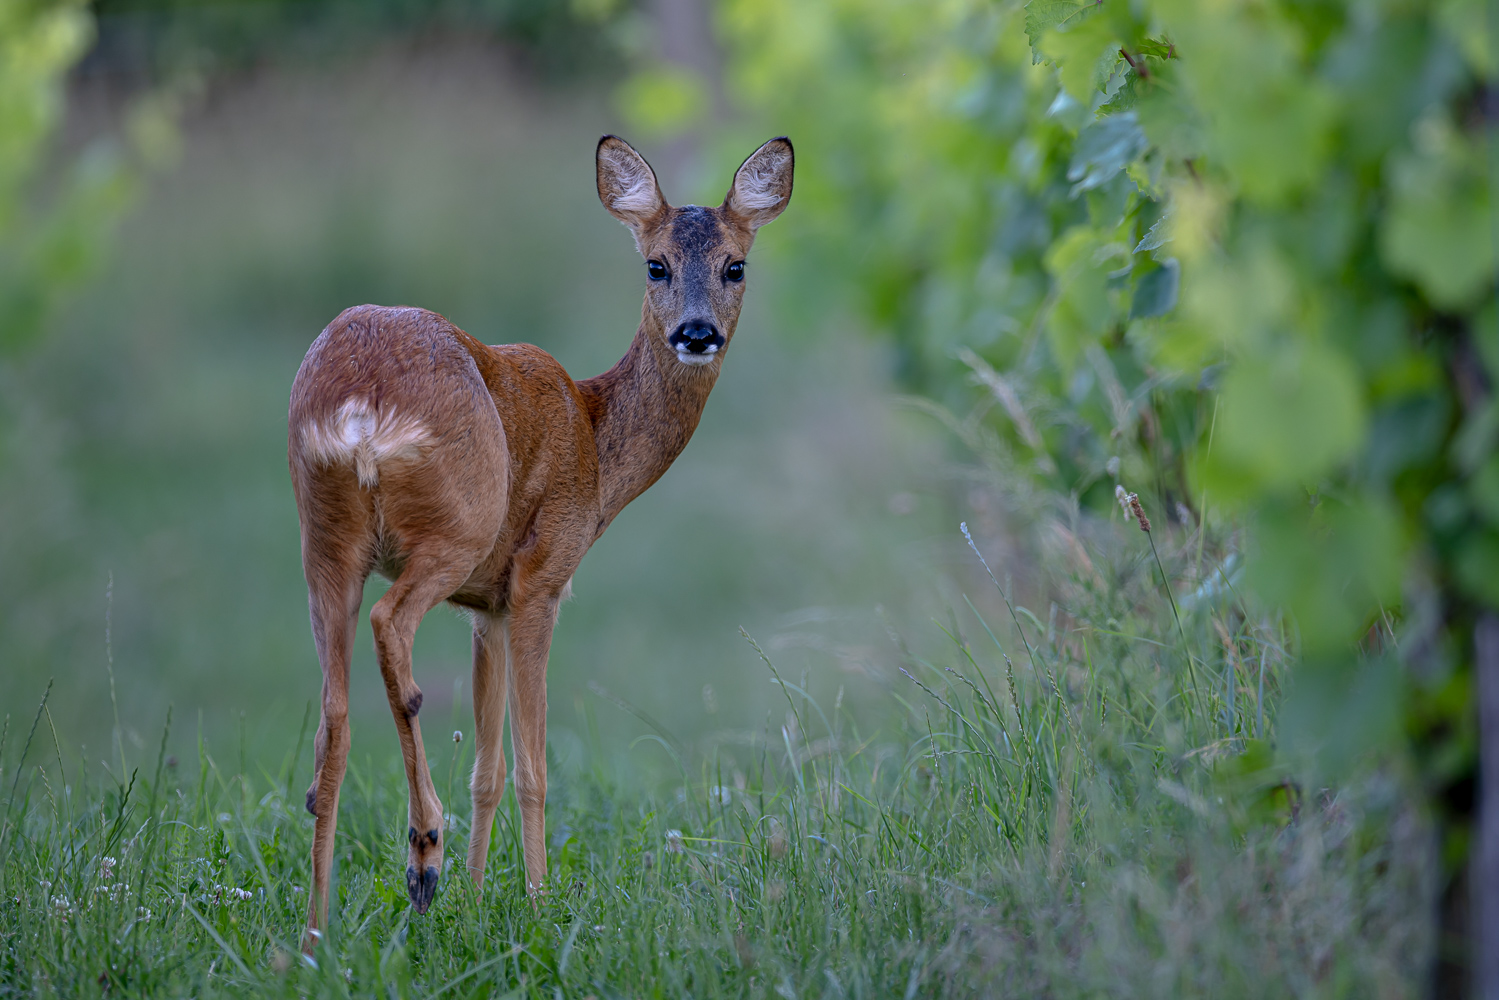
491	677
530	641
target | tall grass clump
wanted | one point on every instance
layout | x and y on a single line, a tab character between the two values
1085	801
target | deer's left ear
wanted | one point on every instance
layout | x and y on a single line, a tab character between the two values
762	184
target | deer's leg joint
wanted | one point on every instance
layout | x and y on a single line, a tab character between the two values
532	792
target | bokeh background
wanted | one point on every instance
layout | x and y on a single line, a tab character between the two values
1035	255
1238	259
149	522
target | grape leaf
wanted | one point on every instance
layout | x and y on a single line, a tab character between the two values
1155	293
1043	15
1328	565
1156	236
1158	48
1437	230
1288	416
1103	149
1085	50
1084	308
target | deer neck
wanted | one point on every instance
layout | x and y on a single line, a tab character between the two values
644	411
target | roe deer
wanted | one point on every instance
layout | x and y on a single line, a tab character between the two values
481	475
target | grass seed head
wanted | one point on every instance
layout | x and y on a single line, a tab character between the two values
1139	512
1130	504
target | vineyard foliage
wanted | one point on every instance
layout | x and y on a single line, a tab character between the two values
61	198
57	207
1237	255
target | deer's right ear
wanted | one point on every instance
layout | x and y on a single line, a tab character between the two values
627	184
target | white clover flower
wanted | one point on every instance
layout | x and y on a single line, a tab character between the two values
674	841
106	868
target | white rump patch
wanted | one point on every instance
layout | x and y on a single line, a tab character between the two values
359	434
760	181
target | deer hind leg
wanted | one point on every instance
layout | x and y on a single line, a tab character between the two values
491	677
427	580
334	592
531	627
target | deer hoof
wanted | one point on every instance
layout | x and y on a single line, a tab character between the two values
421	887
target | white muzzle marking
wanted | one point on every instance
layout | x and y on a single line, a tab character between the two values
688	358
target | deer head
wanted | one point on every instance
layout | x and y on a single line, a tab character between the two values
695	256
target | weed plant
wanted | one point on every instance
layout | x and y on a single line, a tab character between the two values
1082	802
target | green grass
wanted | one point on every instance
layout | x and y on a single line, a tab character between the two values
1068	805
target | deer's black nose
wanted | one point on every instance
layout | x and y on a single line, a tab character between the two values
696	337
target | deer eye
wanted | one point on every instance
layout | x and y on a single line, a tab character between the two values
735	271
656	270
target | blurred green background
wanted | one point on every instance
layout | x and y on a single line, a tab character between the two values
145	431
1238	259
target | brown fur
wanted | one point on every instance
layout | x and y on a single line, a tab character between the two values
481	475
